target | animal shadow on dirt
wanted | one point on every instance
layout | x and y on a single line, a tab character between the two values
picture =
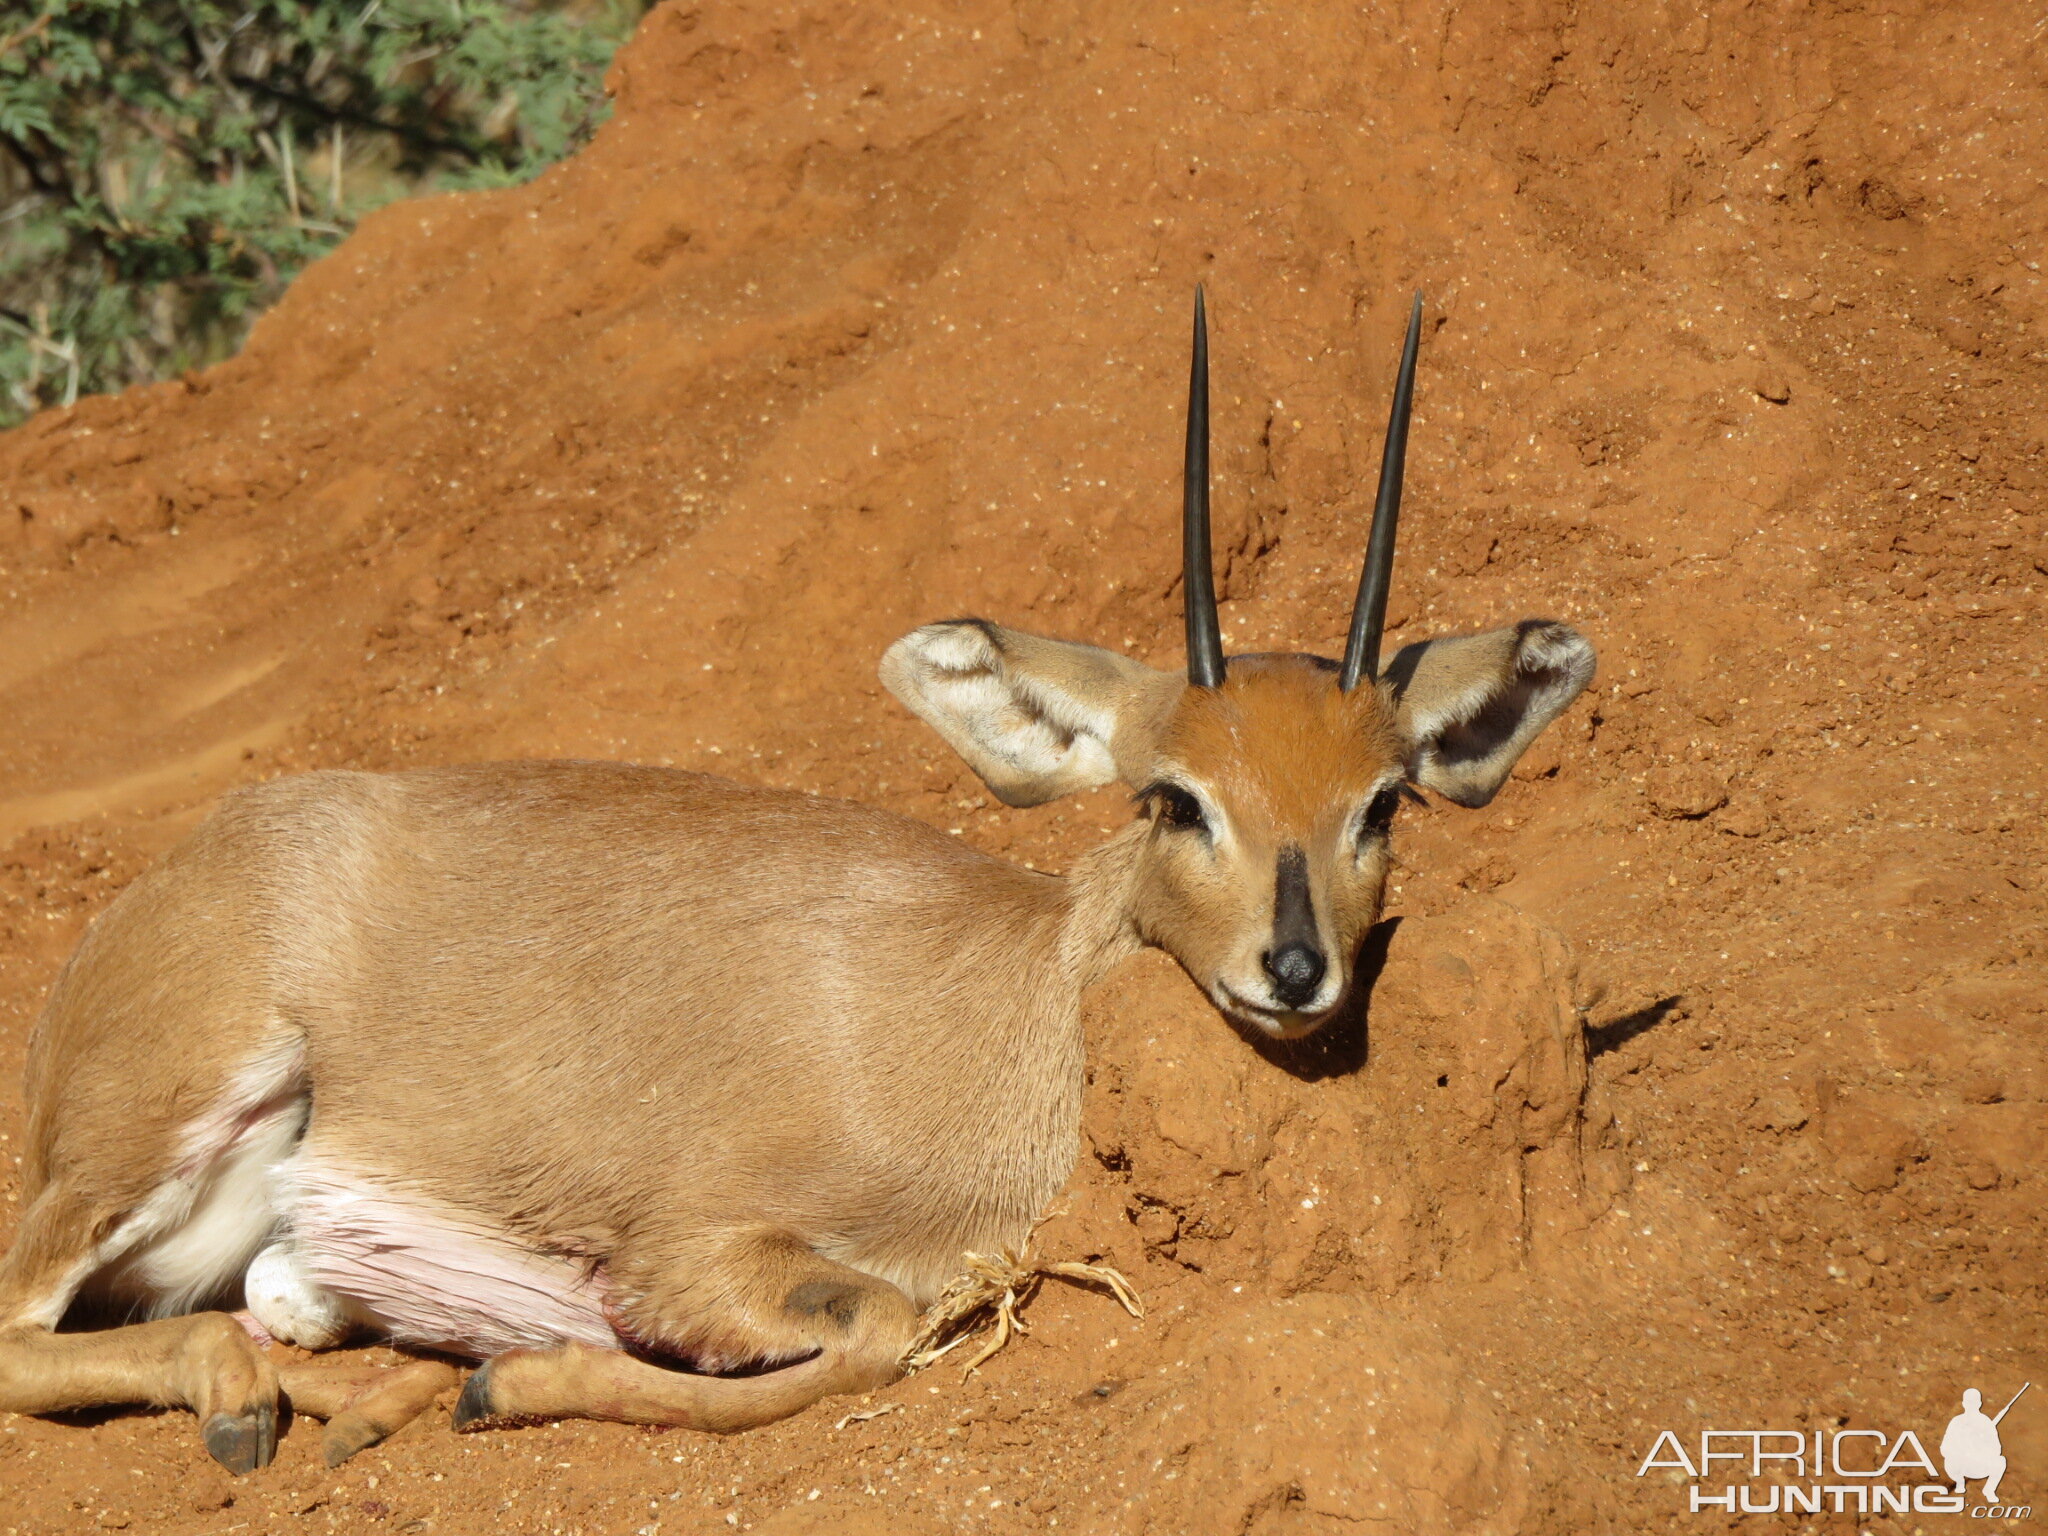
1615	1033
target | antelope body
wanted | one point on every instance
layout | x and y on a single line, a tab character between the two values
673	1099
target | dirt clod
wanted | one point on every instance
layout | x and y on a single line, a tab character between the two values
1686	791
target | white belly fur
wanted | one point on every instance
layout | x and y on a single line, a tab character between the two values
186	1244
321	1250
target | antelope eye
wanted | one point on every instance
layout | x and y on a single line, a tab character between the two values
1379	813
1179	808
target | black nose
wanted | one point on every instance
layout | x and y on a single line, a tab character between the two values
1297	970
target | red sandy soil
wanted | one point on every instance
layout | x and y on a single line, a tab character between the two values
850	322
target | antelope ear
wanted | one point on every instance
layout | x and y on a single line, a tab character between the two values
1036	718
1469	706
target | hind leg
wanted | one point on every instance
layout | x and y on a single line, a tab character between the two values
363	1404
204	1361
775	1300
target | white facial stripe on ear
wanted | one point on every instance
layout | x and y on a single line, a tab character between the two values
1474	704
1391	779
1558	649
1562	685
953	647
1035	718
1031	729
1560	652
1081	724
1459	707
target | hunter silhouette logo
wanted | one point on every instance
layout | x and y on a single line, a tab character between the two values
1849	1471
1971	1447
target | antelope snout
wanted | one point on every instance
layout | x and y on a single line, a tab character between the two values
1296	971
1293	993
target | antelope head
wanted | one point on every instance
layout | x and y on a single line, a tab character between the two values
1267	784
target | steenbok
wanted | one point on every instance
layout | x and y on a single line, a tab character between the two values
671	1099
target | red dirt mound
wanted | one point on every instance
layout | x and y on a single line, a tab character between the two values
854	320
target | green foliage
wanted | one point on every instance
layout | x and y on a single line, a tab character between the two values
166	166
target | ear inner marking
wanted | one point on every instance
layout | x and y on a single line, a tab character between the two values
1469	705
1034	718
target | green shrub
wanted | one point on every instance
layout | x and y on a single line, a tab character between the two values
166	166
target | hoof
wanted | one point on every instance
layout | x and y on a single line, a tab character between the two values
347	1434
473	1408
242	1442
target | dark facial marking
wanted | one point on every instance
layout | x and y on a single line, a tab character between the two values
1295	962
1379	815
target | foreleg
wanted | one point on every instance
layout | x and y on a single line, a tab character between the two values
203	1361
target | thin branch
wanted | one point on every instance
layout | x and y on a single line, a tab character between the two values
341	113
33	29
291	172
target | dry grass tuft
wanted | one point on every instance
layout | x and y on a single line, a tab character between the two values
990	1293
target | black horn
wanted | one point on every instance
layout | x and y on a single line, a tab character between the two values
1369	613
1198	577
